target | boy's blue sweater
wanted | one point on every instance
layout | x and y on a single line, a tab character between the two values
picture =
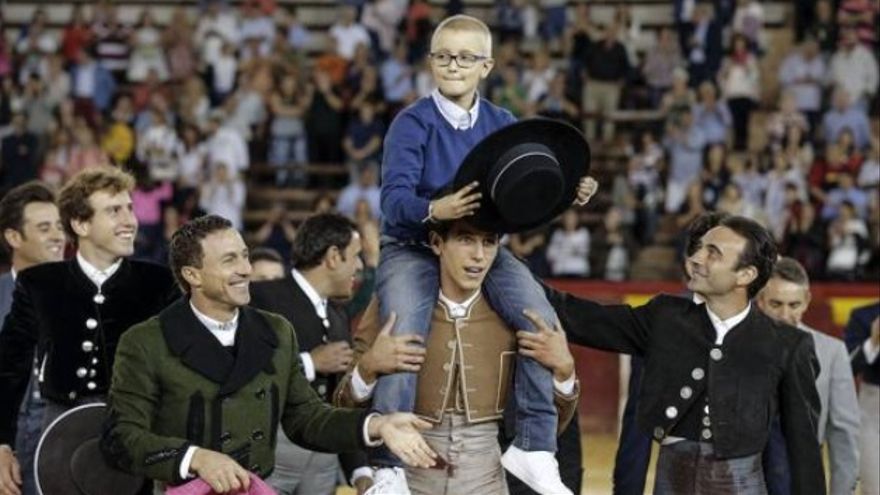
422	154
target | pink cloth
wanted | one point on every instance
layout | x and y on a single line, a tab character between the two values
199	487
147	205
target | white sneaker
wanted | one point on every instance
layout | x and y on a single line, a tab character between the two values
539	470
389	481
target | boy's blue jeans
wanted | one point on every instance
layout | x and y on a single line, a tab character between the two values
408	283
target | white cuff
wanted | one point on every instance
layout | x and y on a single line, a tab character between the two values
361	472
187	460
359	388
567	387
367	440
870	351
308	366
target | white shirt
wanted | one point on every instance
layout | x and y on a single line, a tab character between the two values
348	38
97	276
320	305
363	391
870	350
459	118
224	331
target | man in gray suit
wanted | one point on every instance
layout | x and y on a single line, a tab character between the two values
32	234
786	297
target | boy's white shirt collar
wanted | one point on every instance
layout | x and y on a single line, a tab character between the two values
458	310
97	276
459	118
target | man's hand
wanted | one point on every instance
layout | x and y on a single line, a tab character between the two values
363	484
220	471
875	332
334	357
587	187
10	472
390	354
546	346
461	203
400	432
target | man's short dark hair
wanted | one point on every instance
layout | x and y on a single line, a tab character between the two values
760	250
318	234
265	254
15	201
444	228
185	248
790	270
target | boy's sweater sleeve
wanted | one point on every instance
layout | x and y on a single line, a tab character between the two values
402	166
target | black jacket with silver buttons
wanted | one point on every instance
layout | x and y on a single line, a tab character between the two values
74	328
763	368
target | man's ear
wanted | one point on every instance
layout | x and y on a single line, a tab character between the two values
80	227
192	276
435	241
13	238
746	275
331	258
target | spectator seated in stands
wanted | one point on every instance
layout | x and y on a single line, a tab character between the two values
802	74
847	243
223	194
556	103
348	33
661	62
288	144
854	68
846	191
363	138
18	161
146	52
846	115
569	248
869	175
788	116
685	144
606	70
364	187
712	115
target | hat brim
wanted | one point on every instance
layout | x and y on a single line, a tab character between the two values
565	141
68	461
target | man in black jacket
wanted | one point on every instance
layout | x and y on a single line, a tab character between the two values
326	256
715	373
73	312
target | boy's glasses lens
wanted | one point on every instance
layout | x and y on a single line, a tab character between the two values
465	60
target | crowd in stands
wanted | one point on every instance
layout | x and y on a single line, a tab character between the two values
191	105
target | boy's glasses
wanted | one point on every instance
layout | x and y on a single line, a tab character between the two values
464	60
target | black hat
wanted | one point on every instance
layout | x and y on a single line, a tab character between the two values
69	461
528	173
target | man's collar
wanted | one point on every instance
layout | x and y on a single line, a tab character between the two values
733	320
213	324
458	118
455	309
309	290
96	275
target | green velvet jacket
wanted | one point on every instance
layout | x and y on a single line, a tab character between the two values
175	386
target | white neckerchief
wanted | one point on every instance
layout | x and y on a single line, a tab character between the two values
459	118
458	310
224	331
13	273
98	277
317	301
724	326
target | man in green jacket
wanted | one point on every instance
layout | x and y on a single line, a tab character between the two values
199	390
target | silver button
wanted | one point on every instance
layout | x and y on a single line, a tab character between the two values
658	433
91	323
698	374
87	346
686	392
706	409
446	366
707	433
671	412
36	396
72	395
94	361
36	372
91	385
99	299
451	344
322	389
92	373
716	354
707	421
81	372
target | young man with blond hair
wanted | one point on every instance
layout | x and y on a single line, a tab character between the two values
73	312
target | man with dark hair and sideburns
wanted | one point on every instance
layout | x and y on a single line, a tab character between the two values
73	312
716	373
